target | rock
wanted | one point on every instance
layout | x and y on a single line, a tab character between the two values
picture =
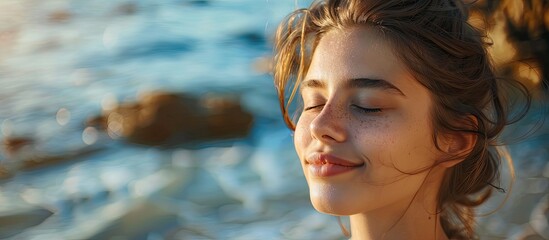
5	173
16	220
39	159
12	145
226	118
156	118
16	150
99	122
163	118
21	154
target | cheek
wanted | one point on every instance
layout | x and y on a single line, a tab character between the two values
413	147
389	143
375	131
302	136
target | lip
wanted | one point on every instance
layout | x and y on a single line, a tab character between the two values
326	165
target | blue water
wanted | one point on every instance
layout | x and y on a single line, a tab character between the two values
105	52
80	57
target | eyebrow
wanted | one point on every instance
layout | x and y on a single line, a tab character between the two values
357	83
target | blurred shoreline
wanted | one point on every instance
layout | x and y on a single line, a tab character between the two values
65	62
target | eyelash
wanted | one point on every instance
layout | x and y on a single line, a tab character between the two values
368	110
363	109
313	107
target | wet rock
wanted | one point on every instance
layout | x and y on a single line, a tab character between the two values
16	220
5	173
99	122
16	150
39	159
160	118
21	154
13	145
225	118
156	118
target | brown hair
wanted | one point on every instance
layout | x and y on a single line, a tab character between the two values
447	56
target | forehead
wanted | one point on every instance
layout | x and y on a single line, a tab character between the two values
359	52
354	51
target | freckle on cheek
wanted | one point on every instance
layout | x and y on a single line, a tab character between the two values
375	123
370	123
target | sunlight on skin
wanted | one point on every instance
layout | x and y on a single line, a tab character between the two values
384	131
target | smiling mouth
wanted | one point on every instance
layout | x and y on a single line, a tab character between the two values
325	165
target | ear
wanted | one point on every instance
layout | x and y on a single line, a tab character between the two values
459	143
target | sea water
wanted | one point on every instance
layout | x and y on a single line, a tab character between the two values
62	62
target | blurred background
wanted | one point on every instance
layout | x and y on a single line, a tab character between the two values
141	119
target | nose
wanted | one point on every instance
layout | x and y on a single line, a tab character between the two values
329	125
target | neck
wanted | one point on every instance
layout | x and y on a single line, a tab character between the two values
415	218
407	226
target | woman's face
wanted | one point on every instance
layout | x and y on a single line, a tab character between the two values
365	133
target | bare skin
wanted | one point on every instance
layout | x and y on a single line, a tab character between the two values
364	108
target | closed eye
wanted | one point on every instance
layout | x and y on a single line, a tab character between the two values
314	107
367	110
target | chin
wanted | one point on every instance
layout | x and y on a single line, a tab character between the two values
332	208
332	202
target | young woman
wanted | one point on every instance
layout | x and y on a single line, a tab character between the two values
399	116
